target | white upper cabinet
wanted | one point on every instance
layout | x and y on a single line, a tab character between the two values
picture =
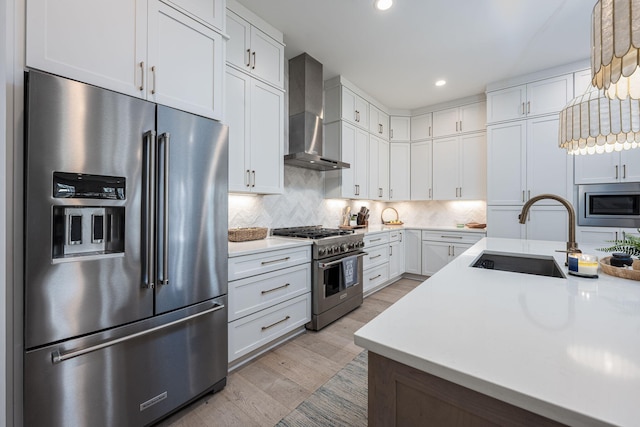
378	122
533	99
351	146
459	167
400	171
452	121
254	113
254	51
618	166
523	160
209	11
421	167
399	129
421	127
143	57
342	103
378	168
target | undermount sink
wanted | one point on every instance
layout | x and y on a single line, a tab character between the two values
519	263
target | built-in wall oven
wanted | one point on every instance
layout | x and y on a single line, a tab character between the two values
609	205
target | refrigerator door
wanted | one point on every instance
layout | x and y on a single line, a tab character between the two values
192	209
76	129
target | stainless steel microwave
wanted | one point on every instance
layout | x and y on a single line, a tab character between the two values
609	205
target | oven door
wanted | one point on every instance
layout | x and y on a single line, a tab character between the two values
609	205
329	288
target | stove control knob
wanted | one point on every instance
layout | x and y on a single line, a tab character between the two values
361	244
345	247
322	251
336	249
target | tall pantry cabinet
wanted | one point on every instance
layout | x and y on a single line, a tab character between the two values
524	160
254	103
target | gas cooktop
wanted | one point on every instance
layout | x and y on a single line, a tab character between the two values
310	232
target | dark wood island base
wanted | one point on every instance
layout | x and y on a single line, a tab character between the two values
400	395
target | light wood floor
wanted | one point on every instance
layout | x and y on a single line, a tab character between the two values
266	389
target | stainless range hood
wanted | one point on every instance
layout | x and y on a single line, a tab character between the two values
305	116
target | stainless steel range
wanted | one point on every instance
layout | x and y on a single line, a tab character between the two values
336	287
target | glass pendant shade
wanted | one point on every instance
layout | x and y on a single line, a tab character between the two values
593	123
615	48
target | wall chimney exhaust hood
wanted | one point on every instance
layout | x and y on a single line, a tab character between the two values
305	116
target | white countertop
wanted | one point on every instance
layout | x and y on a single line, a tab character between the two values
378	228
568	349
269	244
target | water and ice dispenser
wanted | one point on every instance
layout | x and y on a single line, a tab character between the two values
80	230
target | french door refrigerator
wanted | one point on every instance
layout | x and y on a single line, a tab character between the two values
125	256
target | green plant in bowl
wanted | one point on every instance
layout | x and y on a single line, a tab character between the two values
629	245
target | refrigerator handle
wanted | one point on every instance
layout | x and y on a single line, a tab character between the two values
164	139
57	357
149	202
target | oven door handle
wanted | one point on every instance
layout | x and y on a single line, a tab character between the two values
324	265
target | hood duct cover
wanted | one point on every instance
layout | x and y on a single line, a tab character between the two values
305	116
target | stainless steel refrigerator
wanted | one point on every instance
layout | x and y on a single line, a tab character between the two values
125	256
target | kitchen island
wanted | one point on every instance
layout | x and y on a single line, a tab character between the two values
471	345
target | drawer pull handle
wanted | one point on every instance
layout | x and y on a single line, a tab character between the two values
275	289
375	240
264	328
276	260
374	257
375	277
451	237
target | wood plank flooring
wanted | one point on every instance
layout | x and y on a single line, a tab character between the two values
266	389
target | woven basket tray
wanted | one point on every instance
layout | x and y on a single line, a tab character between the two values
611	270
246	234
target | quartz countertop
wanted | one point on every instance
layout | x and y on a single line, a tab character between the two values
378	228
567	349
269	244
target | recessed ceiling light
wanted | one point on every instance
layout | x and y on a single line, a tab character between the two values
441	82
382	4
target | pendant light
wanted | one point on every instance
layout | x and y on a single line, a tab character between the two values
615	48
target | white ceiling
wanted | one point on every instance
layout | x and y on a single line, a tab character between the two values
396	56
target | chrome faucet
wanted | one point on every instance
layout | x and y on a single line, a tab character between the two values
572	245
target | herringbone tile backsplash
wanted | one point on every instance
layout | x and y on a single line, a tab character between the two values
303	203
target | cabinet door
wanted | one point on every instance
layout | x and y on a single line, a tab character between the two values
421	127
341	183
375	190
473	117
597	168
413	251
457	249
502	221
597	235
445	122
473	166
267	58
435	255
77	39
421	167
506	104
383	168
239	44
399	171
396	257
361	162
187	79
630	165
267	138
354	109
549	95
237	113
378	122
399	129
548	223
549	169
506	173
445	168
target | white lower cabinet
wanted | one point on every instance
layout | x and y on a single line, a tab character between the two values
269	296
396	253
375	264
441	247
412	251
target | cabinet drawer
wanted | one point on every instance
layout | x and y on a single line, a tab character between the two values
376	239
264	262
256	293
452	236
254	331
375	256
395	236
375	276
